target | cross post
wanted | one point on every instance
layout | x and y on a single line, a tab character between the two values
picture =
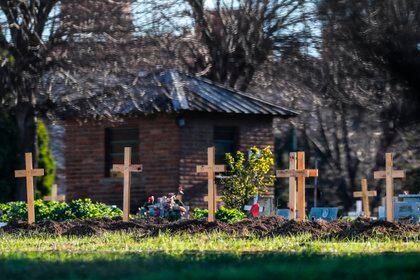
54	195
301	174
365	194
290	173
301	177
218	198
126	169
211	169
29	173
389	175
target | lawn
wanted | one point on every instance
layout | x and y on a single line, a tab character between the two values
203	256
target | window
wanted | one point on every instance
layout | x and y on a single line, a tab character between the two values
116	139
225	141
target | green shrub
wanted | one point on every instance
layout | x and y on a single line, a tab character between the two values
247	176
58	211
222	214
45	161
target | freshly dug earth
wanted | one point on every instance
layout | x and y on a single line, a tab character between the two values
262	227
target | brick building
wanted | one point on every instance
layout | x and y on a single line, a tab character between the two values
169	119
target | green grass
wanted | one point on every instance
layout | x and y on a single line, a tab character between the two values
204	256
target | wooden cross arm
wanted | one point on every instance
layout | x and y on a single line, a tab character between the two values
369	193
218	198
136	168
60	197
206	168
132	168
394	174
297	173
29	173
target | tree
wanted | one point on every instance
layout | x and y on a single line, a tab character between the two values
381	40
354	105
229	41
41	40
25	47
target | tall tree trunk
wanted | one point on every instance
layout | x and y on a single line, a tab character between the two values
26	122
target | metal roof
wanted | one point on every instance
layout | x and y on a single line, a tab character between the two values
165	91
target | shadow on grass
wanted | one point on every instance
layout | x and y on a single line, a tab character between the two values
51	265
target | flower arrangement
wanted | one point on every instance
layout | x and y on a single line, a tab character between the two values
168	207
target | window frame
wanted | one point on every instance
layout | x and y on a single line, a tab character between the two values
235	141
109	154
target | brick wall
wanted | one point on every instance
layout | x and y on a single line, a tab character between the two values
197	136
169	155
159	148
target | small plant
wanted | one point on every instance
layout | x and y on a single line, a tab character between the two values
45	161
58	211
222	214
247	176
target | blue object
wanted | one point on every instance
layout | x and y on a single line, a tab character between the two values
327	214
283	213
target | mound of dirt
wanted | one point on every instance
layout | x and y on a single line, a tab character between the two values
263	227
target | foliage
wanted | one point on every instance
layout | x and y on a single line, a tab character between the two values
8	149
45	161
231	43
222	214
58	211
247	177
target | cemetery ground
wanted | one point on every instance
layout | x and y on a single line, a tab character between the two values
251	249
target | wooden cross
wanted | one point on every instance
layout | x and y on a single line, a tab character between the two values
29	173
389	174
54	195
365	194
127	168
290	173
211	168
301	174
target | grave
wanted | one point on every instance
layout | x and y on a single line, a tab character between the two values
300	174
365	194
389	175
324	213
211	169
127	168
358	212
406	206
292	185
285	213
29	173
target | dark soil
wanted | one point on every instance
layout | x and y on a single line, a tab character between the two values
262	227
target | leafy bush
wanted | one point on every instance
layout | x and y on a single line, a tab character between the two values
45	161
222	214
58	211
247	177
